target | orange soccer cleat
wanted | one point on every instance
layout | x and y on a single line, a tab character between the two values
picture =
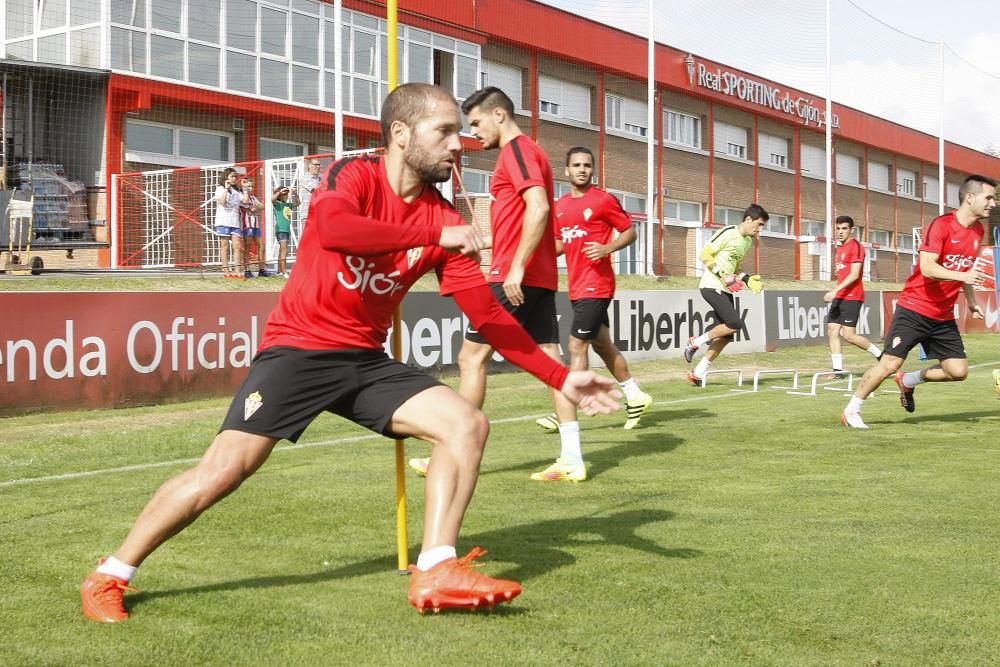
102	598
453	583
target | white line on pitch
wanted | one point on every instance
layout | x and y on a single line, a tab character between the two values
287	448
307	445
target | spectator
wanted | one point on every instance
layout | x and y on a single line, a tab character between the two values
306	185
283	223
250	224
228	199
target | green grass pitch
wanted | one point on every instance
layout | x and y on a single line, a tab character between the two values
729	528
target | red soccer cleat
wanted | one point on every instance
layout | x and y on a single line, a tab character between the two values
453	583
694	379
102	598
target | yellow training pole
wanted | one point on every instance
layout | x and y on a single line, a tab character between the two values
402	539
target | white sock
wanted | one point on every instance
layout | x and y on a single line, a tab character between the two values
702	340
569	436
630	388
874	351
432	557
913	378
702	367
854	405
837	362
116	568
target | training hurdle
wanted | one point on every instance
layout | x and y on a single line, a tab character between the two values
739	377
815	381
772	371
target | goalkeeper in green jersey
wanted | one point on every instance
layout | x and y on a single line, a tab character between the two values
722	278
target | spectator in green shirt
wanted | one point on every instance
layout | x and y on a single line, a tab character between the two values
283	223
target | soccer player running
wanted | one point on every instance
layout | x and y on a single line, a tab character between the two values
586	219
924	312
847	296
722	256
523	273
376	228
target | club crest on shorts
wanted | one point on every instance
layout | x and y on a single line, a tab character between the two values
252	404
896	341
587	213
413	256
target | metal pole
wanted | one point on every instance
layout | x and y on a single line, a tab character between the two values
338	87
402	540
941	183
650	144
828	273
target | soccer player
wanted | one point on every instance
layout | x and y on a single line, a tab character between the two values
847	296
722	256
925	310
586	218
377	227
523	272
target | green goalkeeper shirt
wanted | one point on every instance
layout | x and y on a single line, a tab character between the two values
729	247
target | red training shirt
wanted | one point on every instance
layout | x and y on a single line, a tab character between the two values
956	247
591	218
522	164
363	248
851	252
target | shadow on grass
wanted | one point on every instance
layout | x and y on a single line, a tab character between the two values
950	417
644	440
534	549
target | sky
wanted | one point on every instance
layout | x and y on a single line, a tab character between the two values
886	58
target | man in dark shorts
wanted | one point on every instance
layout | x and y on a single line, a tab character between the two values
847	296
586	219
377	226
523	273
722	278
925	310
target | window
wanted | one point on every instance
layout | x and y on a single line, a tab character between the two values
166	16
813	228
905	242
730	140
476	182
629	258
773	150
561	188
682	129
682	211
625	115
728	216
166	57
906	182
812	160
155	143
952	198
878	176
504	77
778	224
241	24
203	64
21	17
203	20
564	99
931	189
270	149
880	237
848	169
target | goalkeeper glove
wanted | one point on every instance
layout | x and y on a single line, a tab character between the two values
732	282
754	283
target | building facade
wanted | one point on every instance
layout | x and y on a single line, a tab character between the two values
156	85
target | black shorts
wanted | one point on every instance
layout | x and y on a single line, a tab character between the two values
939	338
589	315
724	306
287	388
844	312
537	315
